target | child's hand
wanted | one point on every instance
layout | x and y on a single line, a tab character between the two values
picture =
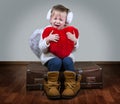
52	37
72	37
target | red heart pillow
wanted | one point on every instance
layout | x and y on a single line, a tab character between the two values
64	46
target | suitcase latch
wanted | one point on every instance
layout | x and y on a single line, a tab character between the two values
38	80
90	79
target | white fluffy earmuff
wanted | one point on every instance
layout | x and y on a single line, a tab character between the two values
69	16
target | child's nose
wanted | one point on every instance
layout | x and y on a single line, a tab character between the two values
57	21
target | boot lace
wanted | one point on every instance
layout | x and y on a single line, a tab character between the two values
52	84
70	84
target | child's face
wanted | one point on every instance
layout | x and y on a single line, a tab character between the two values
58	19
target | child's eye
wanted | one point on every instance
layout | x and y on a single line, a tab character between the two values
61	20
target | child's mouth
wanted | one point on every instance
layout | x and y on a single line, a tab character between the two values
57	25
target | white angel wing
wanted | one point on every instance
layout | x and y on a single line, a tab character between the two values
34	42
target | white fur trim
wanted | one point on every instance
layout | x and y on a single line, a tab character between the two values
48	14
69	17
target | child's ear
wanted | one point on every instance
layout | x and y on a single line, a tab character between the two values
66	24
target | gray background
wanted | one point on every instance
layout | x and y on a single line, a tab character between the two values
97	20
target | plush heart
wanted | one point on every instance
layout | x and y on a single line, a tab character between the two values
64	46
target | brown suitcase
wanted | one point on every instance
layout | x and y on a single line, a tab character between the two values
35	76
91	75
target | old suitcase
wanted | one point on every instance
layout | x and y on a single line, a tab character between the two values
91	75
35	76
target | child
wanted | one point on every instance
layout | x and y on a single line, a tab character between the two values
59	17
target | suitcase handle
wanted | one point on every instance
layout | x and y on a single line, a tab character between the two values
91	70
80	70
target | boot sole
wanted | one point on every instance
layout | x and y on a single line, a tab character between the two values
69	97
53	97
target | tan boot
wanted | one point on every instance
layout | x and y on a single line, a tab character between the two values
51	85
72	86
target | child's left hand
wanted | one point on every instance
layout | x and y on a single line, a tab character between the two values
72	37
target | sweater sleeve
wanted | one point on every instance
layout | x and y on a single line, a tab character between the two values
42	45
77	44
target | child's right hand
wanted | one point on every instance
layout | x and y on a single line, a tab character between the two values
52	37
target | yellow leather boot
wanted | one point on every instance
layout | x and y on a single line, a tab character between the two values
72	85
51	85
